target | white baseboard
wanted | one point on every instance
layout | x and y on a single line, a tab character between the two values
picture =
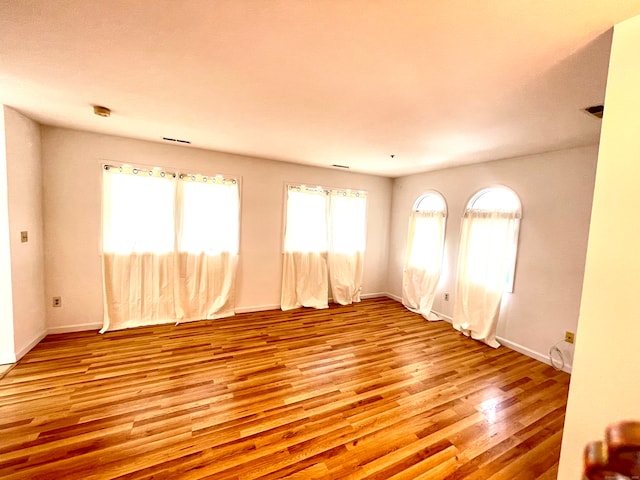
365	296
443	316
263	308
13	358
74	328
257	308
36	340
530	353
388	295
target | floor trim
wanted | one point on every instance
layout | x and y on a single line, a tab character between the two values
531	353
74	328
37	339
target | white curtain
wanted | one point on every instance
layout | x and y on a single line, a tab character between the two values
207	245
347	239
165	257
486	240
324	243
304	268
138	248
423	261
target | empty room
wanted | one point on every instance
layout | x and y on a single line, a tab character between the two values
319	239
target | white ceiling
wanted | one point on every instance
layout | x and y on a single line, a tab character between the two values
319	82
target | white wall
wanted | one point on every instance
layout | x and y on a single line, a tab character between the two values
7	350
72	189
605	386
556	190
24	174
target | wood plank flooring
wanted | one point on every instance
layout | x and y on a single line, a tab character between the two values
369	391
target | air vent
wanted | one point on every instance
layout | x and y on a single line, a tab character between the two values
177	140
339	166
596	110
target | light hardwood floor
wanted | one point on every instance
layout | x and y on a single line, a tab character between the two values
366	391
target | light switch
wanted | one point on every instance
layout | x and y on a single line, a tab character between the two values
24	237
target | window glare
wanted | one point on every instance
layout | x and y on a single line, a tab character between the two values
306	226
431	202
139	214
321	220
210	222
347	220
426	232
482	256
493	199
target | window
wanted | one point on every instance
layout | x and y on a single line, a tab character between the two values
423	258
210	219
426	242
138	214
306	224
324	242
431	202
496	202
486	261
170	246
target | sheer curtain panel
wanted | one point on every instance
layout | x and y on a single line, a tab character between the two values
423	261
324	243
347	238
486	239
304	268
139	260
170	247
207	244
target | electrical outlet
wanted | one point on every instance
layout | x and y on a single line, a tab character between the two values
57	301
24	237
446	297
569	337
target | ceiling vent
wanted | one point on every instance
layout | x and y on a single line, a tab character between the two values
596	110
177	140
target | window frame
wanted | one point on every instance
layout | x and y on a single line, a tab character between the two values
509	282
428	193
445	215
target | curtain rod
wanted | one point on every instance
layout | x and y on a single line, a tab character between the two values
327	190
183	176
135	170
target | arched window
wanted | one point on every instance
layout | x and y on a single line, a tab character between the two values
486	260
431	202
500	203
423	258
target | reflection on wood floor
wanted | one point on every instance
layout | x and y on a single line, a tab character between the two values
365	391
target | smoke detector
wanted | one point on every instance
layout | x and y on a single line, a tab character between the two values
101	111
